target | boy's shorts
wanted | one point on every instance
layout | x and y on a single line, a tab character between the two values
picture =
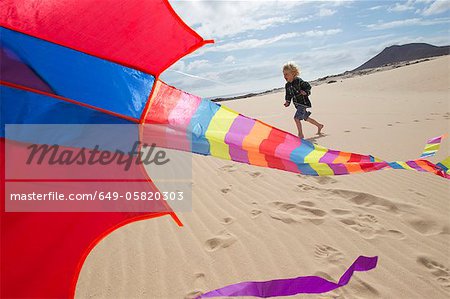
301	113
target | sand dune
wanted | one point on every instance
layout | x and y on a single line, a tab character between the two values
252	223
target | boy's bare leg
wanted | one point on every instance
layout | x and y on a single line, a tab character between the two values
299	128
317	124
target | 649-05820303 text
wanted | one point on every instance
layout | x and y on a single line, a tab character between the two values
98	195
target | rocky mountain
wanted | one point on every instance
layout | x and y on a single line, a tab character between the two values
398	53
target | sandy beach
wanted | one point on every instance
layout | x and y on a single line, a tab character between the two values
254	223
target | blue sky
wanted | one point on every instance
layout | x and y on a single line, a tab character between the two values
253	39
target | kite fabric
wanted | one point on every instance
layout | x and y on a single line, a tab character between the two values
81	63
73	62
445	165
432	146
292	286
208	128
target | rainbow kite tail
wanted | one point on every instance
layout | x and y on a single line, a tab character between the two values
432	146
423	165
444	166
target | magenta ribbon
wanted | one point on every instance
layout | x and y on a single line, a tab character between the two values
292	286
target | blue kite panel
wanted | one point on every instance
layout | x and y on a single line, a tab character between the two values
299	153
25	107
199	125
81	77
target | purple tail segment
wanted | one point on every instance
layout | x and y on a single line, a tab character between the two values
293	286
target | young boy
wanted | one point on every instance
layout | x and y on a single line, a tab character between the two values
298	91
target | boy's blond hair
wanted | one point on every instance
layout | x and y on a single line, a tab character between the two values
292	67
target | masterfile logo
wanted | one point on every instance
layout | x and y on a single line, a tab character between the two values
67	168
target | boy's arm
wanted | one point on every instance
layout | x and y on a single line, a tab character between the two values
306	87
287	97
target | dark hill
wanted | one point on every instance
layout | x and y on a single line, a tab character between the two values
406	52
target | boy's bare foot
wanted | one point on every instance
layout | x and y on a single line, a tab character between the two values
319	129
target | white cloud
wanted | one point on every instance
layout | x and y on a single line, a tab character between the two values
407	22
376	7
320	33
399	7
436	21
367	40
424	1
258	43
355	43
230	59
301	20
250	43
325	12
219	19
335	2
180	65
197	64
200	78
393	24
437	7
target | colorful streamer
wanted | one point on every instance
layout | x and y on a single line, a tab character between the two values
209	128
292	286
445	165
432	146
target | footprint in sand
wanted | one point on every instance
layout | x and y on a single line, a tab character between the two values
365	128
305	187
368	227
199	284
193	294
363	289
438	270
321	180
290	213
255	213
306	203
222	240
347	131
417	193
255	174
423	225
225	190
228	168
315	192
357	198
369	200
340	212
328	253
227	220
324	180
389	125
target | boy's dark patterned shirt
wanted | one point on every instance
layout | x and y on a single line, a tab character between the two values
293	92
